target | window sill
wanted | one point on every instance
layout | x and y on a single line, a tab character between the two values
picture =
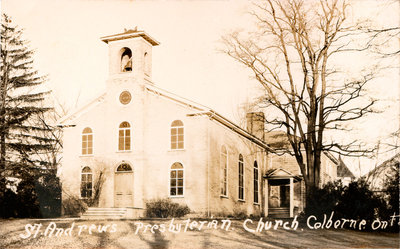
224	196
123	151
176	196
89	155
172	150
256	204
241	200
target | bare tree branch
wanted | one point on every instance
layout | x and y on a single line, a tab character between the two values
290	56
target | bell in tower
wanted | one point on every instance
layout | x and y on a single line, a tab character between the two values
130	54
126	60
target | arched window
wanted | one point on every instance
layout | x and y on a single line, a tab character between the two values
224	171
124	167
124	136
177	135
241	178
87	141
126	60
86	182
255	182
176	181
146	63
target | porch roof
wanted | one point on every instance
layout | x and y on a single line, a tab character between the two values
279	173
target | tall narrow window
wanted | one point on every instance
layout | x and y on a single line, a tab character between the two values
146	64
224	171
86	183
255	182
241	178
124	136
176	181
177	135
87	141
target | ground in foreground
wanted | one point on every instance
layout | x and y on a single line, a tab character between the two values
131	234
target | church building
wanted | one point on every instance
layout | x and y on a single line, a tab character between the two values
137	142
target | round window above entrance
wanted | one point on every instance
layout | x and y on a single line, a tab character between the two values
125	97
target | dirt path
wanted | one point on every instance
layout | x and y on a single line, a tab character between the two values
126	234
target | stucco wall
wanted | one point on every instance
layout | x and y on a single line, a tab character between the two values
328	170
220	135
151	157
159	113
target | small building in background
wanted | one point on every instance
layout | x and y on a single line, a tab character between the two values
382	173
343	173
286	188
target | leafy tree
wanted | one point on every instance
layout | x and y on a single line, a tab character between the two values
23	135
291	54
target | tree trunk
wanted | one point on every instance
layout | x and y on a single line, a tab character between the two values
310	201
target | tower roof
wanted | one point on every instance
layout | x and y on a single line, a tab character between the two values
130	33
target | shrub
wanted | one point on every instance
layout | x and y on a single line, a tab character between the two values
323	201
164	208
391	197
355	201
74	206
30	195
239	213
359	202
48	190
19	199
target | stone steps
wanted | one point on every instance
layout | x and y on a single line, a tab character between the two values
278	212
105	213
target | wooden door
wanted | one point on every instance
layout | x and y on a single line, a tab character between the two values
123	189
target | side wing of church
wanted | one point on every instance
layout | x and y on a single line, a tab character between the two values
140	142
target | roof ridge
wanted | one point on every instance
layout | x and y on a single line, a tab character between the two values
81	108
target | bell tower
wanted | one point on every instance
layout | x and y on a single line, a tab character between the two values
130	55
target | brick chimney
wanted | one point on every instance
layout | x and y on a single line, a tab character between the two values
256	124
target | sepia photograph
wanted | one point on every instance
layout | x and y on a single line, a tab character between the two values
200	124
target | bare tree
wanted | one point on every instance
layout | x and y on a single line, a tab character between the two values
53	133
291	55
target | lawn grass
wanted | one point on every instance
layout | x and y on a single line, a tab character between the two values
125	234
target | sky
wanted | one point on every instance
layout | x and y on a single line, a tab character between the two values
188	62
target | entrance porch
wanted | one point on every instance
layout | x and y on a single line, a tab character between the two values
283	196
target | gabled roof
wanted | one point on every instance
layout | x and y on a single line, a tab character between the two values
176	98
386	164
204	110
279	141
279	173
343	170
199	110
78	112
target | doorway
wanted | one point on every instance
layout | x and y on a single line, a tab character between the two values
123	186
284	196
